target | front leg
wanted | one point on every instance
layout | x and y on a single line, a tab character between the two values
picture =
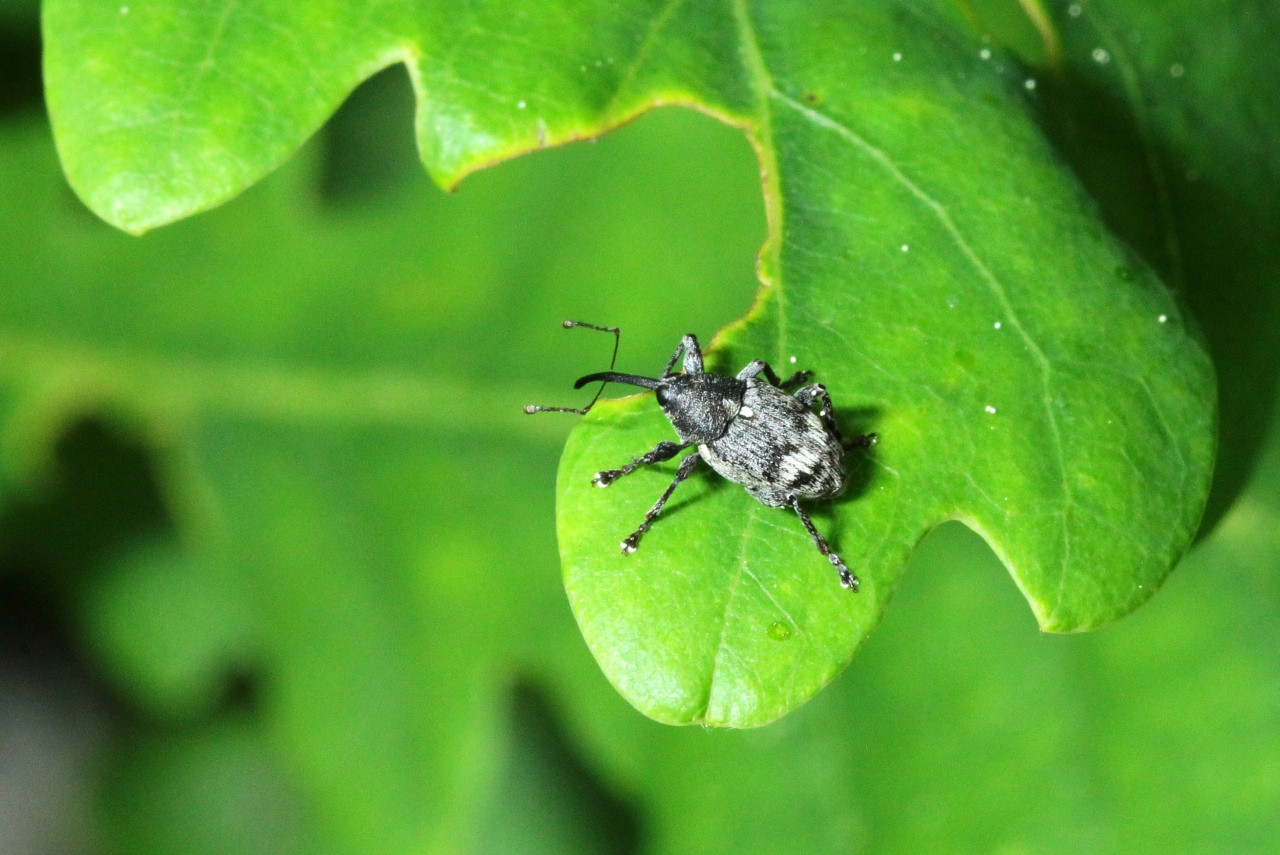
632	543
759	366
692	356
664	451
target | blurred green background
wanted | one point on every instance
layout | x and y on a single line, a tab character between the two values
415	681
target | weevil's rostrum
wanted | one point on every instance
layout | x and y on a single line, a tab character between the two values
750	430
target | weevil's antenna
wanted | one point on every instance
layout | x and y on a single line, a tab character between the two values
617	339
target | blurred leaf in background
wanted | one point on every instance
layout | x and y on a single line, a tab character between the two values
355	325
279	493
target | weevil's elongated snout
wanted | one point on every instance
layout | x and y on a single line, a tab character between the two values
616	377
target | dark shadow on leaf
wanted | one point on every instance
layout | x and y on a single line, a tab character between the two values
369	147
21	83
100	500
101	504
102	495
547	795
859	463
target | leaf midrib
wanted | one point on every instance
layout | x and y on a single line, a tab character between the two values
768	92
997	290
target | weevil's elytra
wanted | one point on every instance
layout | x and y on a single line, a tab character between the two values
749	430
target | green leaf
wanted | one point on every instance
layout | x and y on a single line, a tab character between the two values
1159	109
929	258
953	290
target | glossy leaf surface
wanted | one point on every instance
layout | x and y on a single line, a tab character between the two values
952	289
929	258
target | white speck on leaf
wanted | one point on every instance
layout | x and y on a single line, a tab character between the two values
793	360
996	325
990	409
897	57
1176	70
985	53
520	105
1101	56
1075	10
1164	319
905	247
1031	83
124	10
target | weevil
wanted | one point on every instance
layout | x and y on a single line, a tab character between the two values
751	431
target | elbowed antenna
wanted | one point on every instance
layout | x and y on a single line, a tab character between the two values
617	339
616	377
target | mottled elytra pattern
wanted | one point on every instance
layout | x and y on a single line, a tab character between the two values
778	448
748	430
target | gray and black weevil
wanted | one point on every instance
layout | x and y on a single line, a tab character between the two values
750	431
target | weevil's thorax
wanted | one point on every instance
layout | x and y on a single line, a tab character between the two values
700	406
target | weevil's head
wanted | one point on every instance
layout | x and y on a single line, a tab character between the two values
699	406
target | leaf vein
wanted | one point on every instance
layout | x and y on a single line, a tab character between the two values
752	516
645	47
996	288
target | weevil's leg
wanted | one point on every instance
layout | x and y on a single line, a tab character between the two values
759	366
795	380
847	579
633	540
692	356
865	441
663	451
817	392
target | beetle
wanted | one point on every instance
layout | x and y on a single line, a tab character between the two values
748	429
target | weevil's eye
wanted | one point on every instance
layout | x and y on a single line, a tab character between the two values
665	395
